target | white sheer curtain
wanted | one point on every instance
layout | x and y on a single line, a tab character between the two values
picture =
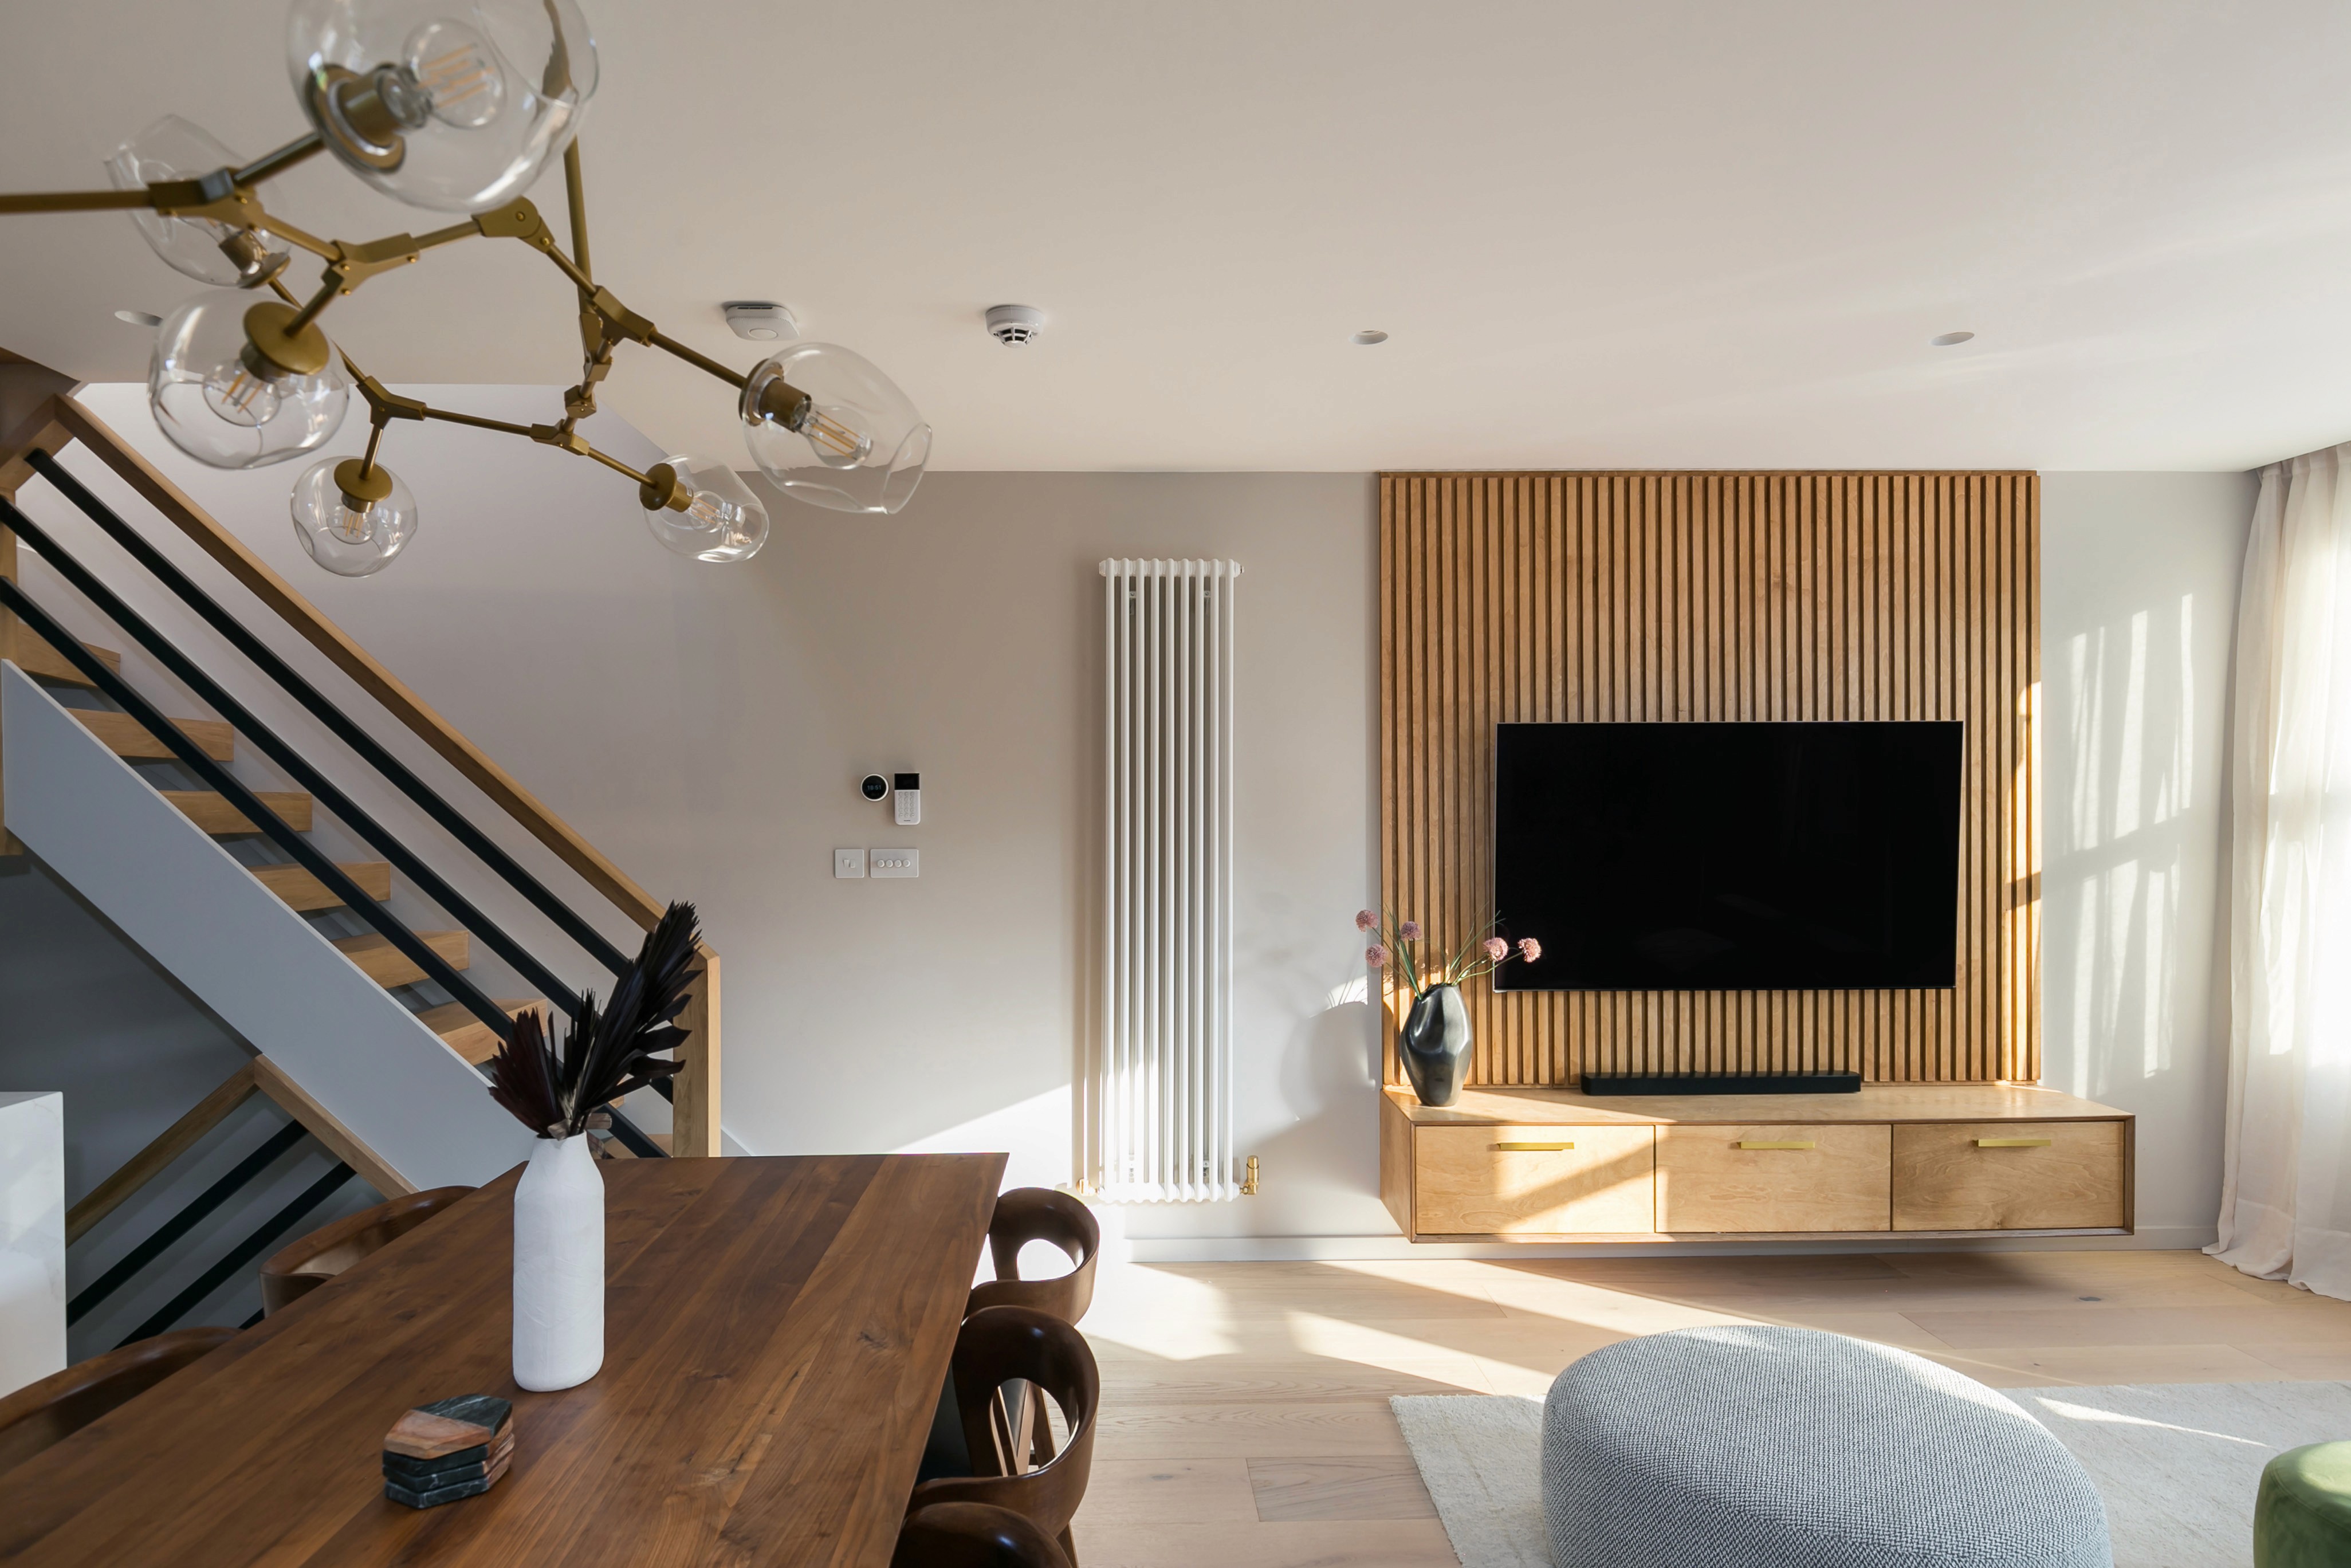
2285	1200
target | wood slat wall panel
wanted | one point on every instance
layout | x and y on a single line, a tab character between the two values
1686	597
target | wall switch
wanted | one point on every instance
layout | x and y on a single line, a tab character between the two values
848	863
897	862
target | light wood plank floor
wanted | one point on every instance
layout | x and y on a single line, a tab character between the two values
1245	1420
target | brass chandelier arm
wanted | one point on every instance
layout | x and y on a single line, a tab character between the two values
522	222
607	459
668	344
349	264
575	198
74	201
245	211
451	416
278	160
227	197
385	405
309	311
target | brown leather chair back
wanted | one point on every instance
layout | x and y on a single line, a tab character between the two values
974	1535
1028	1214
42	1414
301	1267
1002	1344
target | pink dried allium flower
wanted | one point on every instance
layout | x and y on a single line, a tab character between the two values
1530	949
1376	957
1496	949
1409	931
1367	919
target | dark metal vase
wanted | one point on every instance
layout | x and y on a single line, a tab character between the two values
1435	1045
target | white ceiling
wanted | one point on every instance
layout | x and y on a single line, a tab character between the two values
1639	234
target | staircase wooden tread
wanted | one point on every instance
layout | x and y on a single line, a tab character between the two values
43	663
126	736
468	1036
303	892
214	815
387	965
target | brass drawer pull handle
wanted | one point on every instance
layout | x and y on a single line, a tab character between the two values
1775	1143
2011	1143
1532	1148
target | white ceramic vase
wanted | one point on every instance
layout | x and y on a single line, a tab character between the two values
559	1266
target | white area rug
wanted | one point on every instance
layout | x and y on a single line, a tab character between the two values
2178	1463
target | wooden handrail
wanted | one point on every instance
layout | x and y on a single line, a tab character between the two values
695	1106
327	1128
169	1144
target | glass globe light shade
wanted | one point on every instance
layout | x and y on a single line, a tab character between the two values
722	521
223	403
831	430
352	535
172	149
453	105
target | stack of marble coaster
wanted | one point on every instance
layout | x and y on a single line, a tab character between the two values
448	1449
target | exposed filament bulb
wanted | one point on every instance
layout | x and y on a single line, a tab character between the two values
457	72
355	526
702	510
834	439
712	512
241	395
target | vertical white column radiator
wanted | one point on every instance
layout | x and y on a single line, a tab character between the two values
1162	1092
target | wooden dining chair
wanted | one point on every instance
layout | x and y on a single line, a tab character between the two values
974	1535
1038	1214
302	1266
43	1414
1028	1214
1004	1344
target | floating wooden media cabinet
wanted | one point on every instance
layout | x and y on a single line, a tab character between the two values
1897	1159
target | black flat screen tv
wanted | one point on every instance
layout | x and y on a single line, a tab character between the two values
1731	857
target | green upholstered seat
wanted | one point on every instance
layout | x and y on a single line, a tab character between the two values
2302	1518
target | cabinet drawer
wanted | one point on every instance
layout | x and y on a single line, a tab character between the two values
1824	1178
2008	1175
1509	1181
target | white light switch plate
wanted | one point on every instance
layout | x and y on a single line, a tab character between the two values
848	863
897	862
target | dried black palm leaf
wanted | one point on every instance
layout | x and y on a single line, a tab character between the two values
607	1052
523	1077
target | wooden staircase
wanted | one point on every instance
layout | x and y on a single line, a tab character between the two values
337	1045
297	888
38	421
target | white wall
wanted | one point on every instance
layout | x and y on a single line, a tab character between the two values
2139	578
706	728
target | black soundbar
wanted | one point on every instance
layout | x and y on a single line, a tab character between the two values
1723	1083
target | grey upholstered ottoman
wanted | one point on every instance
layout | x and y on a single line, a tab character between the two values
1748	1447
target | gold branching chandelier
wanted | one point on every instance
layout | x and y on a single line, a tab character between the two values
456	106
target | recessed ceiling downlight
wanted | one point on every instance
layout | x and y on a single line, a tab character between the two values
1949	340
139	319
1367	337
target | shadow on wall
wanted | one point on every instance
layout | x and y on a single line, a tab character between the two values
2140	611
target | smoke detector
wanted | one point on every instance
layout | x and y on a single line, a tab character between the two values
1013	325
761	320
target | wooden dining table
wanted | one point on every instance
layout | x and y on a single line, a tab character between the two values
776	1333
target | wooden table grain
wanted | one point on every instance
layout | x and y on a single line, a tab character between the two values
776	1332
